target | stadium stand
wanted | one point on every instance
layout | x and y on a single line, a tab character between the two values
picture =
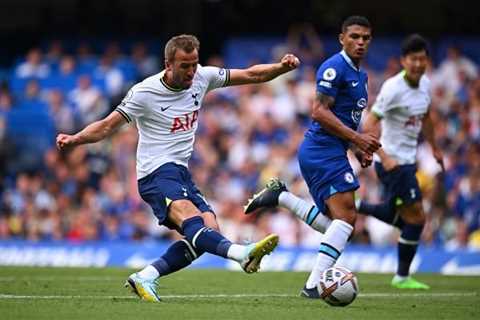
246	135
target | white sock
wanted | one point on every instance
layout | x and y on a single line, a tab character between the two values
305	211
149	273
237	252
400	278
333	243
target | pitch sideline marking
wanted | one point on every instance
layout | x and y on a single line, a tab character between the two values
220	296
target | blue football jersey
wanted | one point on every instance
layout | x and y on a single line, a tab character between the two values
339	78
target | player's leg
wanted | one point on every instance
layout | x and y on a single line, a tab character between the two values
386	210
183	213
170	194
178	256
414	218
276	193
342	211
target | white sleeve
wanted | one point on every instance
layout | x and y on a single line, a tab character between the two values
216	77
134	105
385	100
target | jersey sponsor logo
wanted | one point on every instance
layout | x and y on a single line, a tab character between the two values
349	177
185	122
362	103
165	108
221	72
412	121
329	74
354	83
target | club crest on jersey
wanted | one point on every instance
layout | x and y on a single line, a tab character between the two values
329	74
185	122
349	177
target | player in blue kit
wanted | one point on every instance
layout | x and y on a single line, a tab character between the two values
336	113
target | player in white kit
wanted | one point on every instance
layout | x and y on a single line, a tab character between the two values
402	109
165	109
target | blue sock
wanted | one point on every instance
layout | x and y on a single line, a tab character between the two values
383	211
407	247
204	238
178	256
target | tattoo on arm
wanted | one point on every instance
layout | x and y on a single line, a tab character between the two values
325	101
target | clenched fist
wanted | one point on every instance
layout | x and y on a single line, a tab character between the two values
290	61
65	141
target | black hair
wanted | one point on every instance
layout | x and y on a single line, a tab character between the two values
355	20
414	43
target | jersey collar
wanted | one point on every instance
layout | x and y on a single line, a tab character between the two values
349	61
166	85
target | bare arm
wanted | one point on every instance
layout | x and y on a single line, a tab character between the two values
372	125
321	113
427	130
94	132
263	72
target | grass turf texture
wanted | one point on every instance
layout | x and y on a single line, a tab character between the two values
59	293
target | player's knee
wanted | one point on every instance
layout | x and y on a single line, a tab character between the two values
413	214
348	216
182	210
210	221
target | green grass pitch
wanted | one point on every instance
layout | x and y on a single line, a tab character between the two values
75	293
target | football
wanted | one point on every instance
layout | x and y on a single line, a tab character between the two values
338	286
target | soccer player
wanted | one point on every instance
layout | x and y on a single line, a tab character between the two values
402	109
165	109
336	112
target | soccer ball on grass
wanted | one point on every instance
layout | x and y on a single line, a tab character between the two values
338	286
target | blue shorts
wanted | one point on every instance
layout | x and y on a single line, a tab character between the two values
168	183
326	170
400	185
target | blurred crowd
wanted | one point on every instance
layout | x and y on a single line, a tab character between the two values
246	135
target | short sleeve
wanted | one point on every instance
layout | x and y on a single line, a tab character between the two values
384	101
133	105
216	77
328	79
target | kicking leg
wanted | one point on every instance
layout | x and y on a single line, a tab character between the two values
178	256
275	194
186	215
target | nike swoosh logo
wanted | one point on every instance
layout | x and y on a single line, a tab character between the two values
354	83
164	108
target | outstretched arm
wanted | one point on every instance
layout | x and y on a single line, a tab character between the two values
263	72
94	132
427	130
321	113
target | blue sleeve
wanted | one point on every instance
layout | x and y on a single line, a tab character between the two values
328	78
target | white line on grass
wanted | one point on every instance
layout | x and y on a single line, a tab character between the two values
229	296
56	278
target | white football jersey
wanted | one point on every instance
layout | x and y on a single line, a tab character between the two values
167	118
402	109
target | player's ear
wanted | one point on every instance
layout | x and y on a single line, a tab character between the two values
168	65
340	38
